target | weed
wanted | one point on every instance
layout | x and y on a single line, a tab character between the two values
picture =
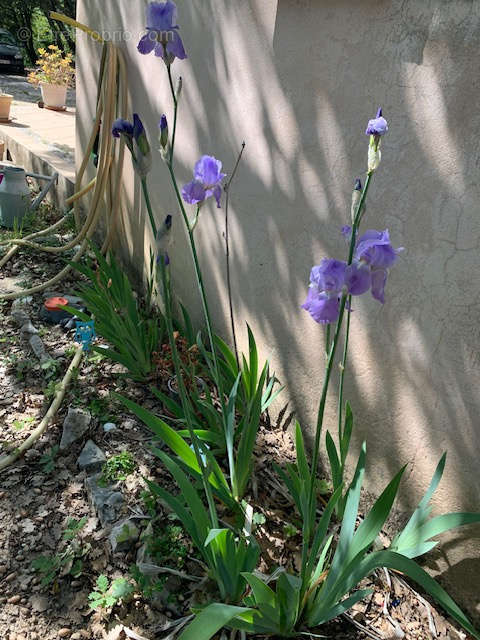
67	562
117	468
21	367
74	527
47	461
147	585
18	425
149	502
51	389
100	408
167	546
70	351
108	595
289	530
51	369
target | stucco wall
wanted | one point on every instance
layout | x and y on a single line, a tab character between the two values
297	80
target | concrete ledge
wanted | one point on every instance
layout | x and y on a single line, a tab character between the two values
42	142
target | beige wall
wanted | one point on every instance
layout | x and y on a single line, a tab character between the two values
298	80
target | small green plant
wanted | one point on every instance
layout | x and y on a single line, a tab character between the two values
109	594
51	389
66	562
21	367
18	425
74	527
51	369
147	585
149	502
70	351
289	530
47	461
100	407
167	545
117	468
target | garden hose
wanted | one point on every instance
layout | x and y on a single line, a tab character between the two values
106	184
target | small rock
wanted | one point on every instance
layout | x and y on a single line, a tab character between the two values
109	426
39	603
124	535
64	633
28	328
107	502
11	577
128	424
32	454
14	600
20	317
38	348
22	302
74	426
91	458
76	636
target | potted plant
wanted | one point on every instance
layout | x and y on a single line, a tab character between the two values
54	74
5	104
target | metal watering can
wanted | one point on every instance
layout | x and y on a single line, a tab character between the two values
15	199
15	196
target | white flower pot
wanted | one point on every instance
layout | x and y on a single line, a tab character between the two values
5	103
54	95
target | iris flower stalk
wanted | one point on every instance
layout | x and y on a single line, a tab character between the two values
164	275
227	253
190	227
331	350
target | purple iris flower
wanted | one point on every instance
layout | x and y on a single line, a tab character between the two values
136	141
329	275
358	278
322	307
162	33
379	280
346	231
378	126
122	127
206	182
374	248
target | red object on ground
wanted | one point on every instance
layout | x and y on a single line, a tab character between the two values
54	304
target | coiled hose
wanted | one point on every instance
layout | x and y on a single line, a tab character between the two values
112	102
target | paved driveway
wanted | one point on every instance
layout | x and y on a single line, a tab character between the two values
26	92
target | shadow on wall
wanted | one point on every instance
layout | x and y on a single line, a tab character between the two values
298	80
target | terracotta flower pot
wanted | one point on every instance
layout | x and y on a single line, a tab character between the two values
5	103
54	95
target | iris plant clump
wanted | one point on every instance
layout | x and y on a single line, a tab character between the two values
225	423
